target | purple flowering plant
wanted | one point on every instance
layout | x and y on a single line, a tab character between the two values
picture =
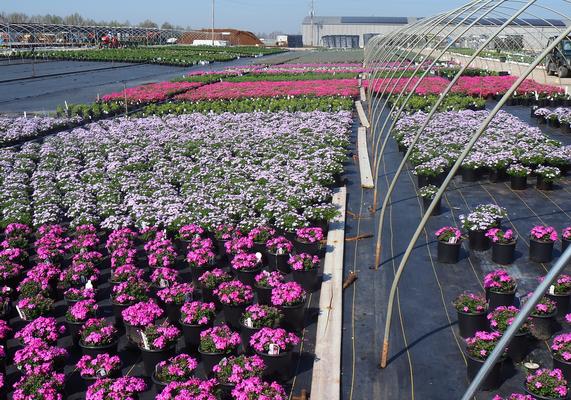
279	245
470	303
219	339
262	316
309	235
234	293
265	337
81	311
126	272
176	369
261	234
211	279
233	370
76	294
546	234
142	314
245	262
561	347
159	337
130	292
266	279
192	388
547	383
448	234
124	388
482	344
102	365
499	281
164	277
190	232
256	389
288	294
36	306
97	332
197	313
499	236
37	353
43	328
503	316
178	293
40	385
545	306
566	233
303	262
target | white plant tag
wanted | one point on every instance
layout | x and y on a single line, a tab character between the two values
552	289
163	283
249	323
280	251
89	285
259	256
102	372
453	240
145	340
274	349
20	313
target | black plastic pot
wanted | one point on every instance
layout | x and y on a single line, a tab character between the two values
448	253
221	249
478	240
192	335
564	366
310	248
496	299
278	367
225	391
518	347
422	181
564	244
426	203
246	334
90	380
209	360
469	324
470	175
73	329
173	312
94	351
562	301
247	277
307	279
540	252
503	254
279	262
232	315
542	184
158	384
209	297
538	397
198	271
294	317
152	357
518	182
117	310
542	326
264	295
494	378
498	175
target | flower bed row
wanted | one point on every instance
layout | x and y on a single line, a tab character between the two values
13	130
153	92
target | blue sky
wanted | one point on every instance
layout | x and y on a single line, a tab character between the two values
254	15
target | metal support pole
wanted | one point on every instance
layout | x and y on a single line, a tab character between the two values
447	180
212	22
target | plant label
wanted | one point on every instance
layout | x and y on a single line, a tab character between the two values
552	290
249	323
102	372
274	349
145	340
163	283
259	256
453	240
20	313
89	285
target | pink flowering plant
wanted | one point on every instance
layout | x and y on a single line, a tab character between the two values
102	365
303	262
126	272
288	294
261	234
219	339
238	244
36	306
482	344
562	285
43	328
545	306
260	316
130	292
211	279
178	293
503	316
448	234
256	389
164	277
9	270
124	388
201	252
265	337
197	313
233	370
279	245
224	232
309	235
190	232
499	281
38	353
76	294
123	256
30	287
78	274
159	337
245	262
176	369
266	279
234	293
97	332
40	385
547	383
499	236
470	303
81	311
192	388
561	347
142	313
120	238
514	396
5	330
566	234
546	234
160	251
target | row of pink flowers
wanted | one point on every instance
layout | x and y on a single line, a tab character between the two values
152	92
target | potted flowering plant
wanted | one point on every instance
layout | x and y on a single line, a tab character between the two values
194	387
124	388
77	315
163	277
174	297
139	315
10	273
275	347
304	268
471	168
126	294
546	176
97	336
546	384
29	385
561	353
256	389
471	309
73	295
196	317
125	273
308	240
77	275
500	289
565	238
209	281
44	328
503	245
477	223
5	331
18	235
200	257
278	250
496	212
255	318
179	368
123	256
478	348
31	308
188	233
246	266
265	282
37	354
30	287
427	194
500	319
160	251
259	236
101	366
518	176
290	298
223	234
238	244
541	243
215	344
559	292
449	241
232	370
235	297
157	344
431	171
543	317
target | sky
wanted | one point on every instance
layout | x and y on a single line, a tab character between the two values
253	15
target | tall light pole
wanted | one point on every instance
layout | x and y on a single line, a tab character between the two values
212	22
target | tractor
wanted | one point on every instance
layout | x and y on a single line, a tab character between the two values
558	61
